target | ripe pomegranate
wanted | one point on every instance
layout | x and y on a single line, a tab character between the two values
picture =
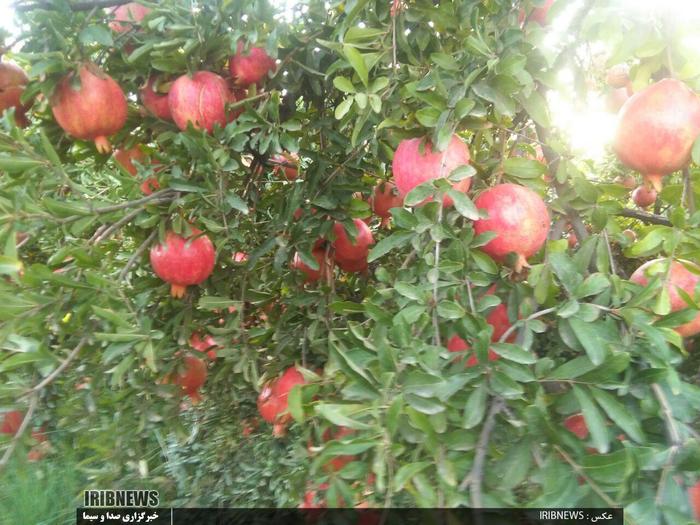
149	185
193	377
457	344
239	257
93	111
128	15
268	406
311	274
572	239
11	422
411	168
347	250
289	379
352	266
657	128
205	344
155	101
539	14
125	158
618	76
200	100
694	497
284	164
518	216
644	196
272	401
338	462
183	262
678	278
250	67
577	425
385	197
13	80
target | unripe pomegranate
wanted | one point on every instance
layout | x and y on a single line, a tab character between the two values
200	100
312	275
11	422
644	196
539	14
155	101
128	15
694	497
125	158
577	425
93	111
385	197
618	76
518	217
267	404
13	80
250	67
411	168
285	164
678	278
657	128
193	377
183	262
347	250
338	462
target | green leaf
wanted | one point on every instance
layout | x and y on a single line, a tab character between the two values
445	61
357	62
419	194
344	84
521	168
696	151
450	310
594	420
15	164
294	404
463	204
395	240
536	106
9	265
428	117
587	335
96	35
338	415
236	203
619	415
342	109
514	353
594	284
217	303
476	406
406	472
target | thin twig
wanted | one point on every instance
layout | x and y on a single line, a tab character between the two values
164	195
579	470
673	434
132	260
515	326
20	431
114	227
649	218
60	368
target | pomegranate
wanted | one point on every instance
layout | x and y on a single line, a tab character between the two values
200	100
678	278
149	185
268	406
657	128
572	239
13	80
272	401
338	462
347	250
694	497
155	101
183	262
205	344
286	164
457	344
128	15
577	425
125	158
93	111
628	181
239	257
312	275
644	196
519	218
539	14
385	197
193	377
250	67
289	379
618	76
353	266
11	422
411	168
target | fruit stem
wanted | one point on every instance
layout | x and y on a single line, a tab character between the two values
520	263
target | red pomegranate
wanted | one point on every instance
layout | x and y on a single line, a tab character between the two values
284	165
457	344
11	422
347	250
385	197
694	497
577	425
155	101
628	181
272	401
200	100
352	266
192	377
94	110
125	158
250	67
338	462
678	278
289	379
657	128
411	168
183	261
572	239
539	14
311	274
239	257
644	196
519	218
13	80
149	185
268	406
128	15
205	344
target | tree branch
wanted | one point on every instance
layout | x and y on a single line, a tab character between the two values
165	195
60	368
579	470
644	216
515	325
114	227
135	256
20	432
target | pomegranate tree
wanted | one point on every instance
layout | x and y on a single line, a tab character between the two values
127	16
678	278
385	197
154	100
200	100
519	218
415	163
657	128
183	261
92	111
13	80
250	67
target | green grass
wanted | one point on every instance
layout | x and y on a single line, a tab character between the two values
41	493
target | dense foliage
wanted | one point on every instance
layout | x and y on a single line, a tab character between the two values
94	347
